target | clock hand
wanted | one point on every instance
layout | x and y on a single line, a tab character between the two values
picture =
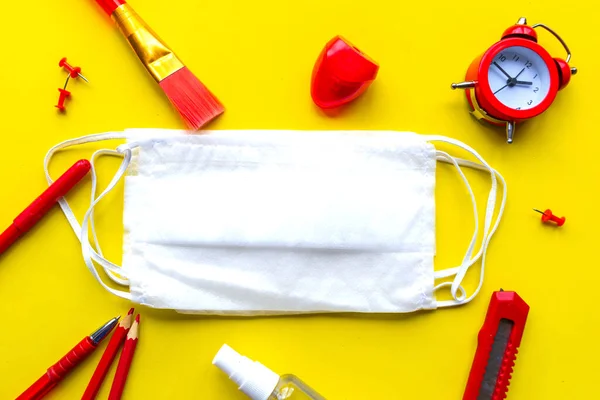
519	73
503	71
513	81
501	88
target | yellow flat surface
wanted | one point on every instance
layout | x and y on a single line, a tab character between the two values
257	57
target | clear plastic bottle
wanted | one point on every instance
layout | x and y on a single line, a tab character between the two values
260	383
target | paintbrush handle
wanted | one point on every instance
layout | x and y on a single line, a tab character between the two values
110	5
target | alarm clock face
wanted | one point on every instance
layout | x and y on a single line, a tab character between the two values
519	78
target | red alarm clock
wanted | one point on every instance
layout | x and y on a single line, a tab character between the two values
516	78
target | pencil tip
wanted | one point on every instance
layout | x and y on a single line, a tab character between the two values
131	310
137	318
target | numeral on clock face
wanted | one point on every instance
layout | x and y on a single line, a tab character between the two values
519	78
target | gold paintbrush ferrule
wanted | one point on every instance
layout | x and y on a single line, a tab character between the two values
156	56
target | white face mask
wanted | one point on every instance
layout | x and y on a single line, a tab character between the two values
272	222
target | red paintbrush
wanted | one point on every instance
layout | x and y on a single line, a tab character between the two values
110	352
195	103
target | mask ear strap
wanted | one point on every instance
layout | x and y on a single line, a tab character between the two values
112	270
86	247
457	291
447	158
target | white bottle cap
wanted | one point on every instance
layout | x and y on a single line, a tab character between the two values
254	379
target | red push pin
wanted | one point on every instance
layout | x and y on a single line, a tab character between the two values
74	72
64	94
548	216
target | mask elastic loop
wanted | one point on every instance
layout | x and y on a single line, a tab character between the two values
85	225
445	157
111	269
457	291
460	297
487	232
69	143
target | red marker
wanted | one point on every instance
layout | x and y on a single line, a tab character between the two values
40	207
497	345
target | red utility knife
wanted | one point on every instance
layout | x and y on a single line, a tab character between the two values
497	346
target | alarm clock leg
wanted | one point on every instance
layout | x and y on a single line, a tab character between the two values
463	85
510	131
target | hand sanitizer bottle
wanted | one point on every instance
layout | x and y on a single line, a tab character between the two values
260	383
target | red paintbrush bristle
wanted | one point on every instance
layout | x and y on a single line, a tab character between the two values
195	103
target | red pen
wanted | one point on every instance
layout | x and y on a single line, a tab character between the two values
61	369
40	206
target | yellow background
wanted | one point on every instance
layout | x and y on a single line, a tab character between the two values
257	57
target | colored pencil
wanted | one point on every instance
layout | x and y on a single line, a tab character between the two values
108	357
116	391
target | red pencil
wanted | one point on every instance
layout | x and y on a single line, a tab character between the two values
110	352
58	371
116	391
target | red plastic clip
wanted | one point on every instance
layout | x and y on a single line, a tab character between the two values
64	94
497	346
341	74
548	216
74	72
